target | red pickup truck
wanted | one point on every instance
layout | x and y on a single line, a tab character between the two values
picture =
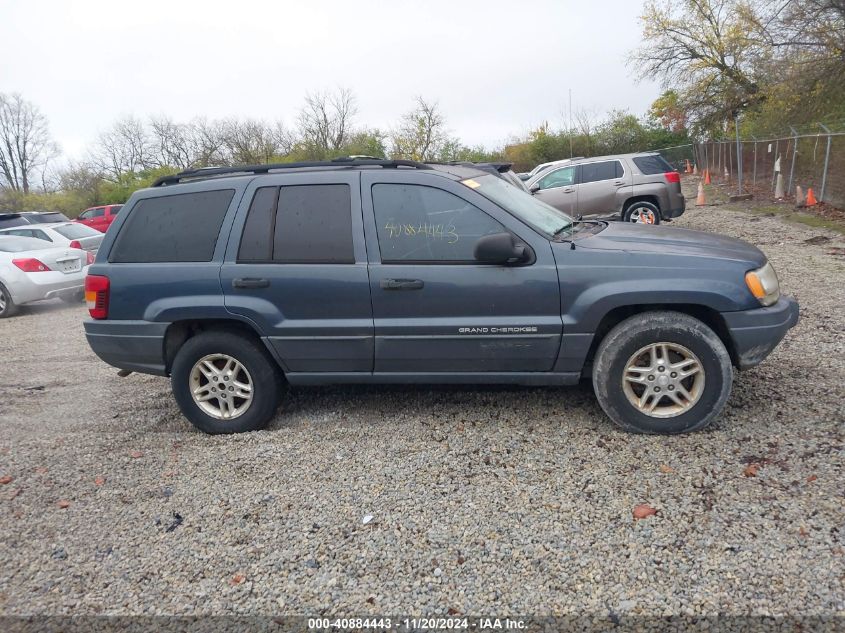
99	218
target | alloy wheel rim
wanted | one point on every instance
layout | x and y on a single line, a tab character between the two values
663	380
642	215
2	301
221	386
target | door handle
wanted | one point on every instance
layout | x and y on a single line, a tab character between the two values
250	282
401	284
619	183
568	190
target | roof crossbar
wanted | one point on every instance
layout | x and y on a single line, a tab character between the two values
207	172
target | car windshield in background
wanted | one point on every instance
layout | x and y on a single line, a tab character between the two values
15	244
9	221
523	205
45	218
650	165
75	231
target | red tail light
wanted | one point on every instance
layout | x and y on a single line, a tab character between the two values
31	265
672	176
75	244
89	256
97	296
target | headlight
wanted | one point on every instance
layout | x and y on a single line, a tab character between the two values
763	284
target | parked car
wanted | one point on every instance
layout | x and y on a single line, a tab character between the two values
31	270
502	170
100	218
234	280
543	166
30	217
68	234
641	188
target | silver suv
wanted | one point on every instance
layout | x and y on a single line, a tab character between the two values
640	188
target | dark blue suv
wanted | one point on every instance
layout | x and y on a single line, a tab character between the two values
237	281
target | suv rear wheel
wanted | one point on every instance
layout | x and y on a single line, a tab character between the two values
225	383
641	212
662	372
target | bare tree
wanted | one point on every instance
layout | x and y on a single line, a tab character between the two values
174	143
25	143
125	147
325	121
251	141
421	134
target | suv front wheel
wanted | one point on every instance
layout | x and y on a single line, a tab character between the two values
662	372
225	383
642	213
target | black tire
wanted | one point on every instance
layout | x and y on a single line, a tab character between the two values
675	328
635	210
7	306
263	372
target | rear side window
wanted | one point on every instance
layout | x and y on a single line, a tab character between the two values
115	209
179	228
650	165
299	224
97	213
593	172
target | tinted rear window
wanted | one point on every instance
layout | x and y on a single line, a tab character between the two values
593	172
44	218
75	231
10	221
649	165
179	228
306	224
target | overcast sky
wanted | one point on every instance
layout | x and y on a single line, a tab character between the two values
495	68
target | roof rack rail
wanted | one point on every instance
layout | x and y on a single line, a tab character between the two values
344	161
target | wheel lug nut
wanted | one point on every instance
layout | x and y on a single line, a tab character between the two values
231	388
674	374
661	368
651	377
656	389
671	387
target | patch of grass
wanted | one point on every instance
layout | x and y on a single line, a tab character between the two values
789	214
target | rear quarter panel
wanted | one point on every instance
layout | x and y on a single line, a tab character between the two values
167	291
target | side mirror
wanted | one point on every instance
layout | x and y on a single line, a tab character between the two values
500	248
535	187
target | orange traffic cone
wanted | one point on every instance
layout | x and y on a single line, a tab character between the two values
811	199
699	201
799	197
706	176
688	169
695	170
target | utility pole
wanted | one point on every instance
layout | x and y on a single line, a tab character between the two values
570	123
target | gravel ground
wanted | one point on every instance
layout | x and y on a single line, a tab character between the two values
482	500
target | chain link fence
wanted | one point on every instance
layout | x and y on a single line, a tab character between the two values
810	157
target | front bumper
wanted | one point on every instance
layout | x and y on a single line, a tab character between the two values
755	333
131	345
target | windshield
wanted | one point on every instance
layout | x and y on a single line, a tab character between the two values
523	205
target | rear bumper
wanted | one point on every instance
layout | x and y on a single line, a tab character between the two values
676	212
25	288
755	333
132	345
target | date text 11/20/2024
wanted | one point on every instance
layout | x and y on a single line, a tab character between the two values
416	624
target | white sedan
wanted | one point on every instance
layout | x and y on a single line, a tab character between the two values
32	269
69	234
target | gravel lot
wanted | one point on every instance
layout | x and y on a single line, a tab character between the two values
482	500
